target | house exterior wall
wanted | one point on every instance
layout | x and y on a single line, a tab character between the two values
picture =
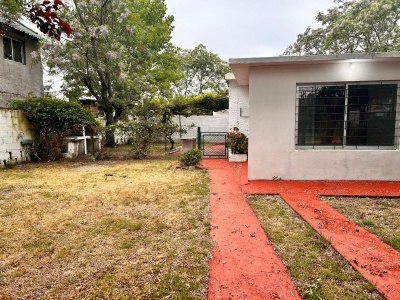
238	100
19	80
272	150
14	128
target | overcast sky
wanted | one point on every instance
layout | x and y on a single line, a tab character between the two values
242	28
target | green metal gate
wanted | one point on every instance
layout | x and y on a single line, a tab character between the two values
212	144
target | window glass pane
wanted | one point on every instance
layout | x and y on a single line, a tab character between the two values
321	115
7	48
371	115
17	51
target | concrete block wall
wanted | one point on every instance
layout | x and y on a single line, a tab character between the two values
218	122
14	128
238	106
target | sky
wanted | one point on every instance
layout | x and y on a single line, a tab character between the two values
242	28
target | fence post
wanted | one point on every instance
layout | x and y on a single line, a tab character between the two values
198	138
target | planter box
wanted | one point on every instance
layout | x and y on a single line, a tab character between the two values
237	157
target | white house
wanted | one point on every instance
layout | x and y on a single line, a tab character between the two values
333	117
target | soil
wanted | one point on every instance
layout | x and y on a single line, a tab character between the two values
244	264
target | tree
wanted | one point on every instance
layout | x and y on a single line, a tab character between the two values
202	71
150	122
44	14
352	26
119	54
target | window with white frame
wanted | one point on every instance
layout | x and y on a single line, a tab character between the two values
362	115
13	49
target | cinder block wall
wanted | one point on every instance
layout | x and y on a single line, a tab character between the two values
219	122
14	128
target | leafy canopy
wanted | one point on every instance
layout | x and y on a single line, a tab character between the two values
119	53
44	14
201	71
352	26
203	104
54	115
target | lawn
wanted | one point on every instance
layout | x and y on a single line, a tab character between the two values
104	230
317	270
379	216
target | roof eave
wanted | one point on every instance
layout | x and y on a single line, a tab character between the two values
241	66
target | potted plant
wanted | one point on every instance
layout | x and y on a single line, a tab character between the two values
238	144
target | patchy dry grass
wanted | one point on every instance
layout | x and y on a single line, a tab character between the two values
105	230
379	216
317	270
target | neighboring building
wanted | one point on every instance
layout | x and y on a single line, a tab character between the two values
18	77
334	117
91	104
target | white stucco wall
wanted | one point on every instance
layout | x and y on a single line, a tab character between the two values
238	99
20	80
272	149
14	128
218	122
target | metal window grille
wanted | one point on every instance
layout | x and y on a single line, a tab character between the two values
360	116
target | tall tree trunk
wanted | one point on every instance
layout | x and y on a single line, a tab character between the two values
110	134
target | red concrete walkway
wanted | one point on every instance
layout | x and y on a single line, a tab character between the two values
244	264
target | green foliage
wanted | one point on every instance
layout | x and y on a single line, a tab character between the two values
119	54
150	123
237	141
54	115
44	14
52	120
202	71
191	157
203	104
352	26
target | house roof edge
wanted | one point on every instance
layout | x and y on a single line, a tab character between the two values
240	66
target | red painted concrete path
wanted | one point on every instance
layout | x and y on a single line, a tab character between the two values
244	265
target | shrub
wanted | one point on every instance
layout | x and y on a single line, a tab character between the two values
148	125
238	142
191	157
52	120
9	164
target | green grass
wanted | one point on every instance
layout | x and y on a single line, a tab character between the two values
379	216
317	270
